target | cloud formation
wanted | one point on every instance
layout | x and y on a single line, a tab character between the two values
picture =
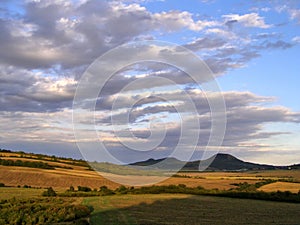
46	46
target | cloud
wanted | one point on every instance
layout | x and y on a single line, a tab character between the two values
205	43
72	34
291	8
246	117
295	14
296	39
34	92
175	20
247	20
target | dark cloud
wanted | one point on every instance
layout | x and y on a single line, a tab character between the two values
230	23
33	93
246	115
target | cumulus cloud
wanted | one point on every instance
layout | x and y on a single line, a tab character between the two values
34	92
73	34
247	20
175	20
295	14
205	43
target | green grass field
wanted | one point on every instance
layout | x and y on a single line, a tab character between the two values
188	209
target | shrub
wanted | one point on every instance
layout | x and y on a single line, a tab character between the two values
122	190
84	189
71	189
49	193
2	185
104	190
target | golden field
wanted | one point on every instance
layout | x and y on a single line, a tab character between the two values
80	175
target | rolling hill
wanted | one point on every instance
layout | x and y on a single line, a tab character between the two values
221	162
37	170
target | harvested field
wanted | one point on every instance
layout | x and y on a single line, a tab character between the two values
64	178
281	186
58	178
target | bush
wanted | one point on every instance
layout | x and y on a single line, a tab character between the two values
122	190
84	189
105	191
72	189
2	185
49	193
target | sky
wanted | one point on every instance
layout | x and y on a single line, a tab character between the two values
251	47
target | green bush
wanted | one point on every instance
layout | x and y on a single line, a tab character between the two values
84	189
122	190
49	193
104	190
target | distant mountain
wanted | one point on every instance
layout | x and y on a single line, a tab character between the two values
164	163
221	162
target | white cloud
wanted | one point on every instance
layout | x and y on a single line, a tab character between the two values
248	20
175	20
222	32
296	39
295	14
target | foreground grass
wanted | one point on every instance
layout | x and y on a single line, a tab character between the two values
188	209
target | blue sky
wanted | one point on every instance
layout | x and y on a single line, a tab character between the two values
252	48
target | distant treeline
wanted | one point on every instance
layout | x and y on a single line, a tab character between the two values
243	190
53	158
31	164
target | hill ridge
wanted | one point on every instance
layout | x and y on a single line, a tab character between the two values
218	162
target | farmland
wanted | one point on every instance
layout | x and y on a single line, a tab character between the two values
152	208
184	198
188	209
68	172
79	176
